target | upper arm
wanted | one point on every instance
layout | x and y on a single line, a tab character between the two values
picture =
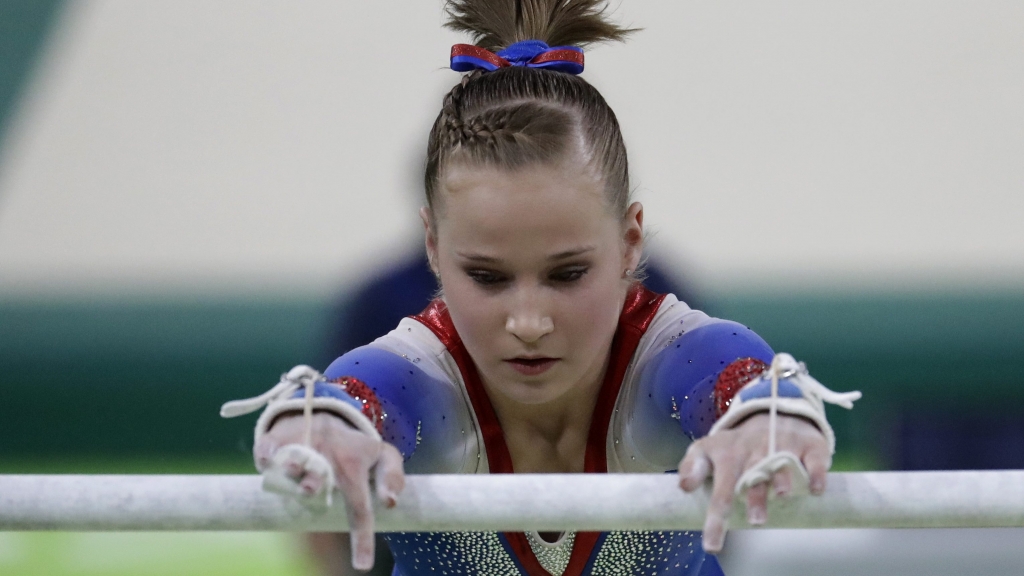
675	400
424	414
688	370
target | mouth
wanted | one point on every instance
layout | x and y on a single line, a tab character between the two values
531	366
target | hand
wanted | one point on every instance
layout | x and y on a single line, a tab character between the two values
354	456
728	454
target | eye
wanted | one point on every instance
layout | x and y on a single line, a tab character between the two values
568	275
486	277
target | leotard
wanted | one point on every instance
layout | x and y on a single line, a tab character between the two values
663	388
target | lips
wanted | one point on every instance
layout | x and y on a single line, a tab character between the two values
531	366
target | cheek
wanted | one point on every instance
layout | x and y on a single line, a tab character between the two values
475	315
590	316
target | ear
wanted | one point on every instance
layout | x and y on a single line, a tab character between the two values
431	238
633	236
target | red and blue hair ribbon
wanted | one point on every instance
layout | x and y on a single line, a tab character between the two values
528	53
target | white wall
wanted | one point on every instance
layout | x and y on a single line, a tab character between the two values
199	146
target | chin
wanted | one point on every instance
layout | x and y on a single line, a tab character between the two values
525	395
530	392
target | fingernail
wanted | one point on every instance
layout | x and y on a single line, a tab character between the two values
362	562
710	546
757	516
817	485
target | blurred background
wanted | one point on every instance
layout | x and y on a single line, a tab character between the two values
195	194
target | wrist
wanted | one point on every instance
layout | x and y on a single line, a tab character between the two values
786	387
781	415
288	414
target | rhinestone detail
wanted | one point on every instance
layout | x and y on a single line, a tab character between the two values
647	553
733	377
450	554
553	556
363	394
641	553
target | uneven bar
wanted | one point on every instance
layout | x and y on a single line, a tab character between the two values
505	502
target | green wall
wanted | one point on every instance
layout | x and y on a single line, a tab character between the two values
147	377
141	377
941	355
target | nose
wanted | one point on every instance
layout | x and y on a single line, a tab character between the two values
529	326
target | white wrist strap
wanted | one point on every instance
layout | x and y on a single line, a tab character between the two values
810	405
278	400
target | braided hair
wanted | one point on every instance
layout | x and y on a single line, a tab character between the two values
517	116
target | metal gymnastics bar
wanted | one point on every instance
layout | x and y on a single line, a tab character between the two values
509	502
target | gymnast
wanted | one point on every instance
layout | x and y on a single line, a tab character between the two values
543	352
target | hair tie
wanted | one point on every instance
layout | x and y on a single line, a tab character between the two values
528	53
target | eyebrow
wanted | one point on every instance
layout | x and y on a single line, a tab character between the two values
571	253
560	256
478	257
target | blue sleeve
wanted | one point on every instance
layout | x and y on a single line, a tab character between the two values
421	412
676	388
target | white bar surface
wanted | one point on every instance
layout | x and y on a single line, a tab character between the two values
504	502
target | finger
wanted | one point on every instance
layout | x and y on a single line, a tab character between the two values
757	504
285	470
782	483
354	482
720	506
389	476
295	469
291	460
275	480
263	453
312	483
817	461
362	550
694	468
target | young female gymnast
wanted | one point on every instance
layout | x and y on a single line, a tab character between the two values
545	353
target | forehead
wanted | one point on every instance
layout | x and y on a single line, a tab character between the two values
538	207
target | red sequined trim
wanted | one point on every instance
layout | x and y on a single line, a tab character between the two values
362	393
732	378
638	312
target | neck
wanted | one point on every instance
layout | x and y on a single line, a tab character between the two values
550	437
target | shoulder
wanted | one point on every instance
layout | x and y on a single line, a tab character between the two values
666	395
702	342
427	413
402	365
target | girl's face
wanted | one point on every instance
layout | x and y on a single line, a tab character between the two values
533	265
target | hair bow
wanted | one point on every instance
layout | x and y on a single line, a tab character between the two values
529	53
